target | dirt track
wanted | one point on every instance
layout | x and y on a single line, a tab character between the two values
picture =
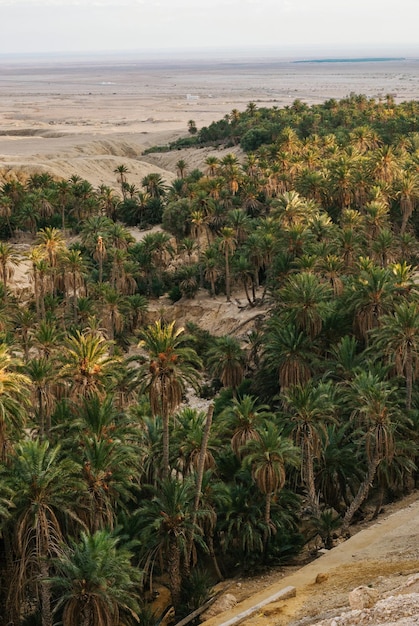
381	556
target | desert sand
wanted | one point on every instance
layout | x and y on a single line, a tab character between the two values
87	116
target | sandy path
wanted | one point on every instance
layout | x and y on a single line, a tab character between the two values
380	556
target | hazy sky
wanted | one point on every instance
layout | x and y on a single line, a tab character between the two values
129	25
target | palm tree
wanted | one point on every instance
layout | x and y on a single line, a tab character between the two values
288	351
170	364
122	171
212	162
14	396
8	259
167	520
154	185
41	372
372	297
46	488
73	262
398	340
376	412
189	441
268	456
109	465
290	209
306	302
242	420
181	167
51	242
96	584
88	367
226	361
212	271
408	195
309	407
227	245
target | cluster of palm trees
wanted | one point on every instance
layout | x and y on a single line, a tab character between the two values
108	478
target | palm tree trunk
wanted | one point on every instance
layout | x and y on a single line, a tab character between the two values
227	266
175	578
268	501
363	491
246	291
166	437
40	413
199	478
409	378
308	470
45	594
4	270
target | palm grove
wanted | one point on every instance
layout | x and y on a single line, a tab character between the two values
108	479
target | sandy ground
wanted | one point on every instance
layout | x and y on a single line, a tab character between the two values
382	554
88	117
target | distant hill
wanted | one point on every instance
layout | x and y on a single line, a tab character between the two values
357	60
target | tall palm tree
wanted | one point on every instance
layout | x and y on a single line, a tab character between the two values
42	372
227	245
268	456
309	407
288	351
121	171
51	242
242	420
408	195
8	259
376	412
96	583
306	301
166	523
88	367
226	361
46	488
14	397
372	297
74	265
169	365
398	340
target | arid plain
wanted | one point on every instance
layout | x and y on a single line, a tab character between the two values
81	116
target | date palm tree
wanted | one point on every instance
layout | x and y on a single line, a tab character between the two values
376	412
309	407
226	361
14	399
268	456
398	340
8	260
242	421
169	365
372	297
227	245
288	351
46	488
88	367
96	583
166	521
306	302
42	372
121	171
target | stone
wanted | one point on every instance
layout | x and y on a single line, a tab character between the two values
363	597
223	603
321	578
